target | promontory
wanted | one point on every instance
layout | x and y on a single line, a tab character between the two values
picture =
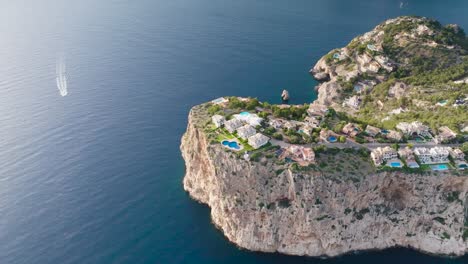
377	161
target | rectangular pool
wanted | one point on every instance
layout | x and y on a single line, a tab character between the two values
439	167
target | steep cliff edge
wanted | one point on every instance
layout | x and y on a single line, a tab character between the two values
262	207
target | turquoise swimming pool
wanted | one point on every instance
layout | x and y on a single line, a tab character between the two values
395	164
244	113
231	144
440	167
332	139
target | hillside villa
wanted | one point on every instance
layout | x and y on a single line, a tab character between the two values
258	140
372	131
246	131
393	135
251	119
312	121
218	120
353	102
445	135
317	110
351	130
382	155
328	136
304	156
432	155
458	158
415	128
408	156
276	123
232	125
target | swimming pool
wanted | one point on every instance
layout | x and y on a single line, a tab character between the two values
384	131
395	164
231	144
331	139
244	113
440	167
357	88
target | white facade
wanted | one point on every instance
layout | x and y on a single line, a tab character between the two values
246	131
353	102
276	123
258	140
218	120
251	119
457	154
394	135
381	155
432	155
232	125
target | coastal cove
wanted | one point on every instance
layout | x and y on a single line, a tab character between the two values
96	176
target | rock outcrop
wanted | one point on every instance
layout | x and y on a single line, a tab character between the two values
261	208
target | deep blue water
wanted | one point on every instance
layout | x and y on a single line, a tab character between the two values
95	176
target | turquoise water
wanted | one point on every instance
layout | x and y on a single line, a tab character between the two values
395	164
96	176
231	144
332	139
439	167
244	113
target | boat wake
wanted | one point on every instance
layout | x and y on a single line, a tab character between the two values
61	77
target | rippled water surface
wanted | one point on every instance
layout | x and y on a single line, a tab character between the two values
94	176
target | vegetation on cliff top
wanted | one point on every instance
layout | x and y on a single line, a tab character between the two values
423	59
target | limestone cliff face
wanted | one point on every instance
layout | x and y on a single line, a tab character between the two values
262	209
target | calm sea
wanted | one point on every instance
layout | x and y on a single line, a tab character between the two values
95	176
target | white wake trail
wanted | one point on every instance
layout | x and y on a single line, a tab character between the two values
61	77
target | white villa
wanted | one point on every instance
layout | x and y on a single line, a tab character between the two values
394	135
276	123
246	131
353	101
258	140
303	155
456	154
291	124
432	155
381	155
218	120
317	109
351	130
384	62
312	121
232	125
372	130
445	134
408	155
414	129
307	129
251	119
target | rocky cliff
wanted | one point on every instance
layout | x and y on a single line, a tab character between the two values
261	207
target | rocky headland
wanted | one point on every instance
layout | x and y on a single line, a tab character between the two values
266	205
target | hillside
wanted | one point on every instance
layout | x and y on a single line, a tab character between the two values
408	68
